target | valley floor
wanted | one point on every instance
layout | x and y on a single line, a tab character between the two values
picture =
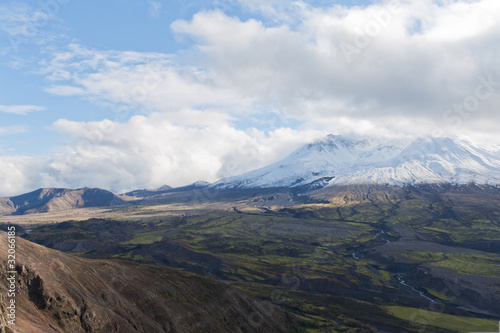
374	259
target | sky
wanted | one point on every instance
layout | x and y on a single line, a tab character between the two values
128	94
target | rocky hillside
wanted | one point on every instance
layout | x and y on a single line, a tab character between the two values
58	292
57	199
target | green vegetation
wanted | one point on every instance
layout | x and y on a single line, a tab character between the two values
463	263
145	238
439	295
327	260
442	320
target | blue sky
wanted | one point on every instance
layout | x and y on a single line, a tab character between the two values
126	94
119	25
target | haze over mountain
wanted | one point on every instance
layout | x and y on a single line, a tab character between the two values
340	161
335	160
57	199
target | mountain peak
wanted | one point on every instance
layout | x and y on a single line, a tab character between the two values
377	161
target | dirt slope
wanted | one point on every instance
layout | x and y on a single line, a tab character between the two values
57	199
59	292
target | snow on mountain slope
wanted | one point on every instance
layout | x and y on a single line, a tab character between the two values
339	161
437	160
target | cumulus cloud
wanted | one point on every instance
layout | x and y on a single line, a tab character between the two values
394	68
160	149
21	173
150	151
386	60
394	59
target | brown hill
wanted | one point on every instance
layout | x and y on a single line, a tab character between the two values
57	199
58	292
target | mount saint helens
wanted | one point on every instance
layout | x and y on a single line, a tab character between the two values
339	161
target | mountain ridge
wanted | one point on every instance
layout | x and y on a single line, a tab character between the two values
57	199
332	161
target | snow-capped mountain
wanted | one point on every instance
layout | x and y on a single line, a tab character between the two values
340	161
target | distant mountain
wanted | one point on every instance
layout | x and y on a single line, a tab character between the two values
147	192
154	193
336	160
57	199
194	186
60	292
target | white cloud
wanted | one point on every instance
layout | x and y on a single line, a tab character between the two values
63	90
21	109
384	61
376	63
21	174
395	68
9	130
170	149
25	24
150	151
150	81
154	8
